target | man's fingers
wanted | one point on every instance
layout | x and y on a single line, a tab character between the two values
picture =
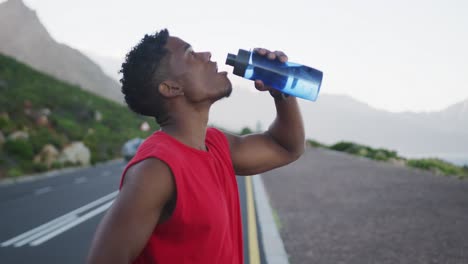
281	56
261	51
260	85
272	55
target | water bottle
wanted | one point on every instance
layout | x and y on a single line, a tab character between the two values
288	77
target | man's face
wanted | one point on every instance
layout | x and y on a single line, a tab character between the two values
194	71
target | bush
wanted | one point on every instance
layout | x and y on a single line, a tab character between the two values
6	125
246	131
365	151
14	172
70	128
438	166
315	144
56	165
39	167
20	149
342	146
43	136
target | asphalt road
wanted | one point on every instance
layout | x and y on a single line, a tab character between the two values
63	213
337	208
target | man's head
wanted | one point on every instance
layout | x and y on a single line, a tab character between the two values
162	70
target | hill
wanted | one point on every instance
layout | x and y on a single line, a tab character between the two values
37	110
25	38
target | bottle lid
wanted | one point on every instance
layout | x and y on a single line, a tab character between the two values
231	59
239	61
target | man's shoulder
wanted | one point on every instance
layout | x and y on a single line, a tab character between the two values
148	171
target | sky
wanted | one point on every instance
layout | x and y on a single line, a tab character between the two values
393	55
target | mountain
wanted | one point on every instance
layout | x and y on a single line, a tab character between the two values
334	118
25	38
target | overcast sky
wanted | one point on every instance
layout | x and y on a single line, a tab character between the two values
394	55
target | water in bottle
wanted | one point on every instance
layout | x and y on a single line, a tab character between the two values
288	77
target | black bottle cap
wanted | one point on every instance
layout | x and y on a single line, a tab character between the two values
240	62
231	59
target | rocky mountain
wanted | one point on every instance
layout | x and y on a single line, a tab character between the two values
25	38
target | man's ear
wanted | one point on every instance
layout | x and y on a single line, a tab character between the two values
170	89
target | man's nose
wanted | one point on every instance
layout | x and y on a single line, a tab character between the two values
206	55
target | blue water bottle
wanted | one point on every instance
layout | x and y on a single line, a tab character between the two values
288	77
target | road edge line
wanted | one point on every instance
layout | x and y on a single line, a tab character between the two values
273	246
254	249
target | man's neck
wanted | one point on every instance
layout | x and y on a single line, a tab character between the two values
189	127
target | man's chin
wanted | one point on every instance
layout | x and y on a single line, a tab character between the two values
228	90
225	94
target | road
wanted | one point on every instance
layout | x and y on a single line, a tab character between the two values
53	220
337	208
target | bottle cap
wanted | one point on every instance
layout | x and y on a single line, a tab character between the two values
239	61
231	59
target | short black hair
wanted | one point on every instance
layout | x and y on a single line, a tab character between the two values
143	70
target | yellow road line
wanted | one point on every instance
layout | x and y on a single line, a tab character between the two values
254	254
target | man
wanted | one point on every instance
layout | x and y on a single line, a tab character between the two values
178	200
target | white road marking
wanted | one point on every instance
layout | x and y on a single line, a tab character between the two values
80	180
45	231
72	224
43	190
35	230
60	221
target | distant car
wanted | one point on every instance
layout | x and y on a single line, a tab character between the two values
130	147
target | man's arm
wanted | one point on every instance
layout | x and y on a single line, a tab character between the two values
282	143
127	226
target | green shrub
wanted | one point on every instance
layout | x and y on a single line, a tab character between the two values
20	149
315	144
437	165
365	151
43	136
342	146
6	125
39	167
70	128
14	172
3	122
56	165
246	131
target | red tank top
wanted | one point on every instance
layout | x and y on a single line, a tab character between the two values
205	226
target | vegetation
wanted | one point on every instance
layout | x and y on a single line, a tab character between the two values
365	151
73	114
439	167
315	144
246	131
435	165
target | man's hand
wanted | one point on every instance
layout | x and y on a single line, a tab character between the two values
271	55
